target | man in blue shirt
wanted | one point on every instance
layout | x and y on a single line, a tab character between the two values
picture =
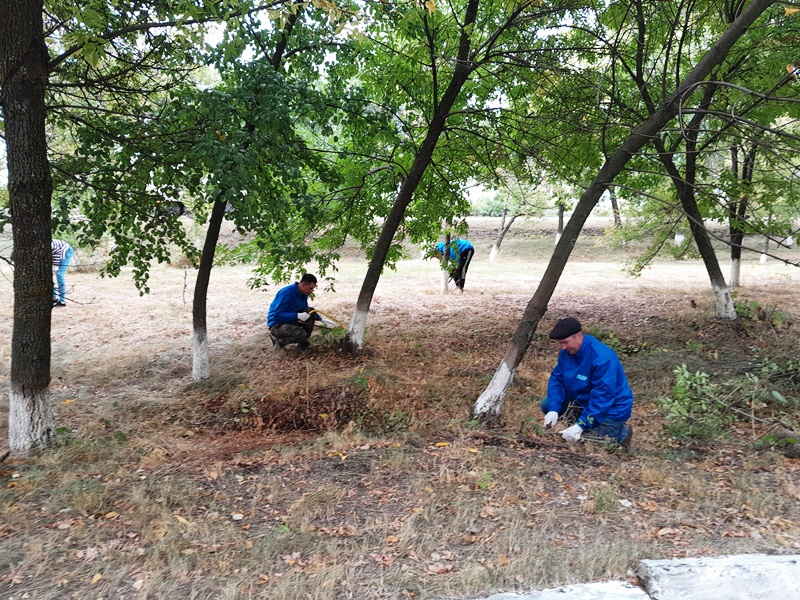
290	320
588	382
461	252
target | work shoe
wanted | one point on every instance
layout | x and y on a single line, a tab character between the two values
276	345
59	305
304	345
626	443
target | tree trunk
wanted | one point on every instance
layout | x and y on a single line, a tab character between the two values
487	406
763	258
560	230
24	76
200	369
200	359
502	230
423	157
737	208
615	208
445	263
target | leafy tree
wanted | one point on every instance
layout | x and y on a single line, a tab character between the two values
121	56
683	150
452	63
487	406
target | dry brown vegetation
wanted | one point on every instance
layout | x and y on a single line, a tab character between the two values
319	475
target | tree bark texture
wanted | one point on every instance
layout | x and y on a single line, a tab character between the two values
737	207
487	406
24	76
200	368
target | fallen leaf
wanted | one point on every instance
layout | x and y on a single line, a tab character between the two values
291	559
558	477
668	531
384	560
442	444
237	516
438	568
97	577
138	584
89	554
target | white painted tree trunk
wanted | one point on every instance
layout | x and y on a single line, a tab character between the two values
724	302
763	259
489	402
200	368
493	253
357	326
736	268
30	420
558	237
445	280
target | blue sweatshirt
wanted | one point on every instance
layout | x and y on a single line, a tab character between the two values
287	303
460	245
593	378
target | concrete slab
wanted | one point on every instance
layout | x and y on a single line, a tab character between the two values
607	590
741	577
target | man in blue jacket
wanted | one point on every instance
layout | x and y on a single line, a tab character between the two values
589	382
290	320
461	252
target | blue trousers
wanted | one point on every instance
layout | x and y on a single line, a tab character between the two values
60	290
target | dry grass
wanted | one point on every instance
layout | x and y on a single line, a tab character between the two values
321	475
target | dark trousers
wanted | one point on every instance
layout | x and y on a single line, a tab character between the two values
459	274
293	333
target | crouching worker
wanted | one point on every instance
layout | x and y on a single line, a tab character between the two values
588	384
290	320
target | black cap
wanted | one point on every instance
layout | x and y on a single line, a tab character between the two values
565	328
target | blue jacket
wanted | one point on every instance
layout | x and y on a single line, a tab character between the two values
460	245
593	378
287	303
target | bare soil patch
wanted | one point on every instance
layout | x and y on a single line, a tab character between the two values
322	475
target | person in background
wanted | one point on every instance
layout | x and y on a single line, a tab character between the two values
461	252
588	383
290	320
62	255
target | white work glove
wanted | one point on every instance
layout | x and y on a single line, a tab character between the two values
325	322
550	419
303	317
572	434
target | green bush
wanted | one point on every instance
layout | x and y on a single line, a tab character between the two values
693	410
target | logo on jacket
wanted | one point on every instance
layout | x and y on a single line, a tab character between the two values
582	377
